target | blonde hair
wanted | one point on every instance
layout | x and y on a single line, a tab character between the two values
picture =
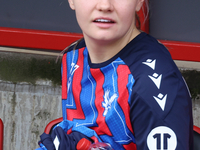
145	11
74	44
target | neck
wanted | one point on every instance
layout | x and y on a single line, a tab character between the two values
101	51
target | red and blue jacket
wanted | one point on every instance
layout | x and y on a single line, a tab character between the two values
135	100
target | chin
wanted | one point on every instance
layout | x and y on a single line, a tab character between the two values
105	38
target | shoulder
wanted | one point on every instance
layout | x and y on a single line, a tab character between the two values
72	54
157	78
76	45
145	55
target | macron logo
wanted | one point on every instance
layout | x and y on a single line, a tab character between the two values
74	67
156	79
151	63
161	100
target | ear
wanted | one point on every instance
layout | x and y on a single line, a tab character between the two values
71	4
139	4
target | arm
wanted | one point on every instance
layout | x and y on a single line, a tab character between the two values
161	116
60	140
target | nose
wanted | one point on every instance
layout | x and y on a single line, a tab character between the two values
105	5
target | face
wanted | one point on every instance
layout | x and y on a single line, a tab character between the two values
106	20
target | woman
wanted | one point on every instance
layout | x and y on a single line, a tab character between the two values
120	85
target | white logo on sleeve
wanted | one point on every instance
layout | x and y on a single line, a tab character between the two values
161	100
151	63
162	138
156	79
74	67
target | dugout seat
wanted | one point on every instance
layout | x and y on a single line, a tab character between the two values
196	138
52	124
1	134
196	130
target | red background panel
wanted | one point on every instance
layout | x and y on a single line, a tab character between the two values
36	39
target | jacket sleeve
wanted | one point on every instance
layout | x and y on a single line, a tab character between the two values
60	140
161	111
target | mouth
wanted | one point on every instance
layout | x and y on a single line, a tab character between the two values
103	21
